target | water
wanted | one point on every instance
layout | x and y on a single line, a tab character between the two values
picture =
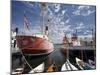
57	56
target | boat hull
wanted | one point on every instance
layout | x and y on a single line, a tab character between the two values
34	45
67	66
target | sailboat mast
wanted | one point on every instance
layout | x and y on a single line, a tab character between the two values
43	7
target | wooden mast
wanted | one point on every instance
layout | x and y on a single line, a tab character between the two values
43	8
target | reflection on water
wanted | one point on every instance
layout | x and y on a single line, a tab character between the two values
57	56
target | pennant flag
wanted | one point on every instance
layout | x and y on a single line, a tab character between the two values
26	23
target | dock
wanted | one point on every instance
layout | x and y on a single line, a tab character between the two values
81	48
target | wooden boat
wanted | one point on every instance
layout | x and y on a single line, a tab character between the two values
35	44
52	68
17	71
38	69
67	66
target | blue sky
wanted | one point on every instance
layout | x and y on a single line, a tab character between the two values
63	18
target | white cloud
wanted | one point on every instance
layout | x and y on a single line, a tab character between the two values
77	12
80	26
85	33
28	4
66	28
83	10
83	7
58	25
67	21
88	32
57	7
63	12
62	23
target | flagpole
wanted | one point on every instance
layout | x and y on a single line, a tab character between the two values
26	23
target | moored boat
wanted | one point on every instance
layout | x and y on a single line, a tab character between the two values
65	45
35	44
38	69
67	66
52	68
17	71
82	65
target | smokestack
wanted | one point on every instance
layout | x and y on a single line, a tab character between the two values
16	30
46	31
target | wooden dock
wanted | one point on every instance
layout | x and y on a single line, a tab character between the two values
81	48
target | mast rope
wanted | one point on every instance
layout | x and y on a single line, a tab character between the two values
26	60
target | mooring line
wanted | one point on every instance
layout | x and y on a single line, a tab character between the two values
26	60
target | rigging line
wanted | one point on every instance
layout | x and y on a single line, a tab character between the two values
25	60
66	65
69	64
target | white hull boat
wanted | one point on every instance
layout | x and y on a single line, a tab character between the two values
67	66
17	71
38	69
82	65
